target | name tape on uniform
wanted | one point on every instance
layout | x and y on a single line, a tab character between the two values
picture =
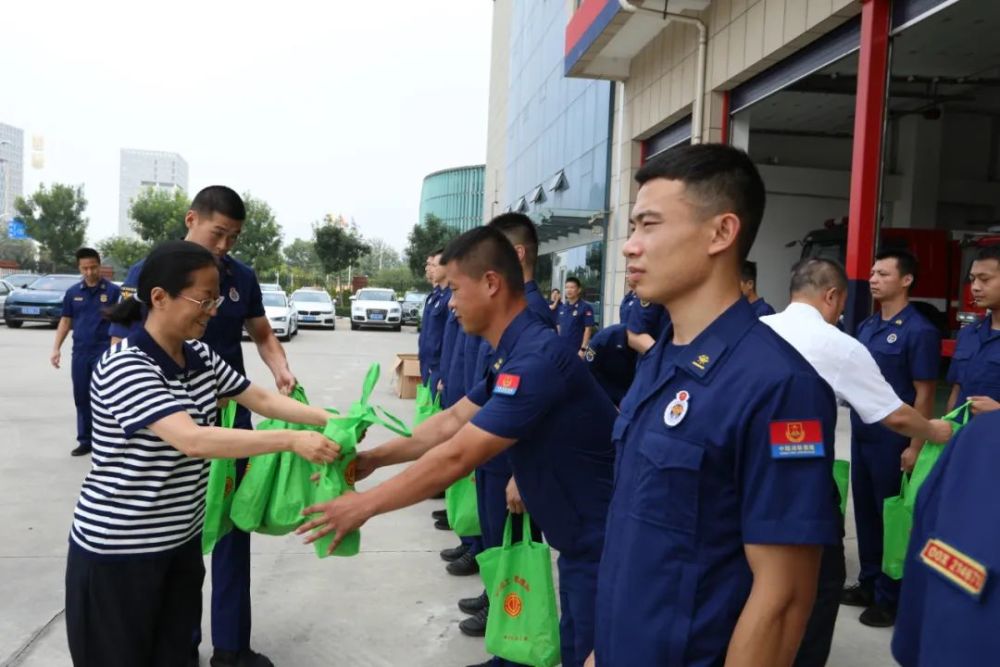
965	572
797	439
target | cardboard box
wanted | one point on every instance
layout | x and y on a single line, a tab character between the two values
407	370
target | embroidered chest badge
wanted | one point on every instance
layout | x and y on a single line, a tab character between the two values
507	384
234	296
677	409
891	338
797	439
963	571
104	298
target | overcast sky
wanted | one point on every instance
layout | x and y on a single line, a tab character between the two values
339	107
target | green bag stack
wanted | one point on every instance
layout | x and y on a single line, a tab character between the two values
523	624
219	494
426	407
277	487
897	512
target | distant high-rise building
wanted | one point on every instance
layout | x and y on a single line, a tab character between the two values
11	168
144	169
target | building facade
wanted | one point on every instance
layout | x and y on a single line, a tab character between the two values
548	143
11	169
868	120
141	169
455	196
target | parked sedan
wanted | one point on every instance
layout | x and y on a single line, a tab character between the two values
41	301
314	307
413	307
282	316
373	307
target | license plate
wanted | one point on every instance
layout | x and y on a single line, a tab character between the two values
29	310
376	317
309	318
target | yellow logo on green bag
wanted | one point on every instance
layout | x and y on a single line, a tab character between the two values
230	484
512	605
351	472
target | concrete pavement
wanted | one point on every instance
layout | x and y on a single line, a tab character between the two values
393	604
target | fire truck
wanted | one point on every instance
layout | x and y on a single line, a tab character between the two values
942	292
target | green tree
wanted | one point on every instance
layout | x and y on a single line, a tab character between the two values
122	252
301	254
398	278
54	218
158	215
382	256
424	239
337	247
260	241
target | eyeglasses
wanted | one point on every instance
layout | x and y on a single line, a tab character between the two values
206	305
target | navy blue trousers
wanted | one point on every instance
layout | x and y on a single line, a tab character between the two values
81	368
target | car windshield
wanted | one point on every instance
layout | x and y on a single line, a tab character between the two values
21	279
313	297
274	299
415	296
375	295
55	283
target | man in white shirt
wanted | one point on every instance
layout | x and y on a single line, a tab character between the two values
818	295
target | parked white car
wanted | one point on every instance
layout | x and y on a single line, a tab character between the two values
5	289
314	307
375	307
281	314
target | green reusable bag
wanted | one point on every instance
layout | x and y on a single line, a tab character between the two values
931	451
219	493
462	506
426	407
523	624
897	523
254	492
842	478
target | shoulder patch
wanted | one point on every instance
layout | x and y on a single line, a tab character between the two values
797	439
507	384
963	571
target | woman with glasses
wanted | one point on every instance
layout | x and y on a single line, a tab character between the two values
135	569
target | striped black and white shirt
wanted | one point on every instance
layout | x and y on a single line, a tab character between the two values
143	496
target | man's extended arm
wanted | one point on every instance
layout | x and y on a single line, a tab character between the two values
774	617
429	434
65	324
271	353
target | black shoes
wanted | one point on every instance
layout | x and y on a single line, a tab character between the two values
878	616
247	658
473	606
454	553
857	596
475	626
442	524
439	515
463	566
81	450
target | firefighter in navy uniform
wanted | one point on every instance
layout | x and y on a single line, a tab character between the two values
83	312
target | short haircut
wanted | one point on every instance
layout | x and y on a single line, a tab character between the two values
486	249
749	271
435	252
219	199
575	281
907	263
519	230
816	274
88	253
988	252
723	179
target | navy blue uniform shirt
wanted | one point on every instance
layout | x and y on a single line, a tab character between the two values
648	318
625	306
538	392
907	349
762	308
537	303
433	329
572	320
975	366
612	361
949	607
422	339
243	301
724	442
86	306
